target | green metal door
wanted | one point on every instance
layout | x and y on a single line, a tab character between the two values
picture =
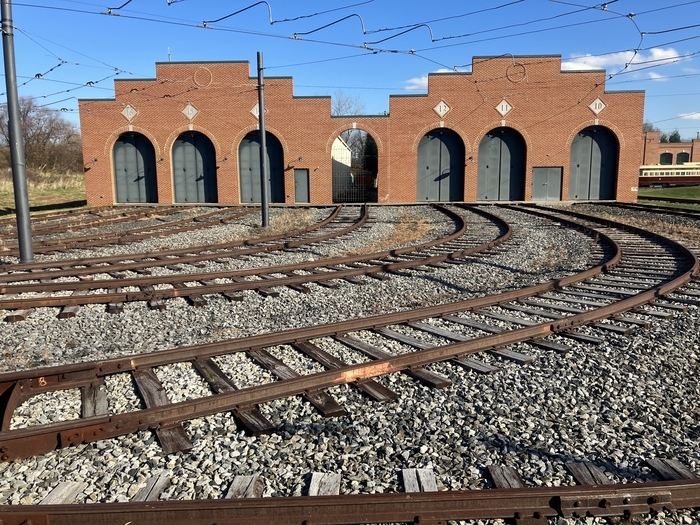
301	185
249	168
593	165
134	169
440	175
194	168
546	184
501	171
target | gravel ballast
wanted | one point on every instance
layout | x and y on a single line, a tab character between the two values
629	399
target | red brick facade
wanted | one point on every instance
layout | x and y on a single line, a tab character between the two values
548	108
654	148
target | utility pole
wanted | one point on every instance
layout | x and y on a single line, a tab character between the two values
19	173
263	145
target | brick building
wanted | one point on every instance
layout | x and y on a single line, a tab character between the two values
668	153
515	128
669	163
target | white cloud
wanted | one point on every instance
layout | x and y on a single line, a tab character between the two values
656	76
421	83
615	62
417	83
587	62
690	116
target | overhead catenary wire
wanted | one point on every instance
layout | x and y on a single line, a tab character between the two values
423	54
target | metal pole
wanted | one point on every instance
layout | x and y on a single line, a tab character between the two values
19	173
263	145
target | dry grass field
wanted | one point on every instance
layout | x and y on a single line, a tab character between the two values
46	190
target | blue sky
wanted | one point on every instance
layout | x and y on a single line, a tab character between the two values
71	49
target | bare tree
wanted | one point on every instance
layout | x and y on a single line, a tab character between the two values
648	127
346	105
50	141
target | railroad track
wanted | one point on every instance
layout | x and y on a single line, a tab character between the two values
62	222
62	243
668	210
105	281
630	275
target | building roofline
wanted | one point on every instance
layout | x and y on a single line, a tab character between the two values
205	62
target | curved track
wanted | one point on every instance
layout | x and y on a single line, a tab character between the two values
622	290
89	285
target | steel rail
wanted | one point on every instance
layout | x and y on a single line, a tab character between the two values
204	289
159	230
23	442
175	251
18	385
92	222
9	223
425	508
670	199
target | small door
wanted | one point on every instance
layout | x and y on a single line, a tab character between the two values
546	184
301	185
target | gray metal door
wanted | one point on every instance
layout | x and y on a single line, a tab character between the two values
194	168
134	169
440	174
249	168
546	184
501	171
593	165
301	185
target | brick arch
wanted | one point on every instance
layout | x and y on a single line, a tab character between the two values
369	129
238	137
183	129
109	143
617	133
426	129
497	124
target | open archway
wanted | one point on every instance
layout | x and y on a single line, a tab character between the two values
194	168
440	173
134	169
355	163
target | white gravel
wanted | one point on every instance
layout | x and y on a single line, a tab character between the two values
617	404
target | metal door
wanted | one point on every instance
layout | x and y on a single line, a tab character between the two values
249	168
440	174
301	185
546	184
134	169
593	165
194	168
501	171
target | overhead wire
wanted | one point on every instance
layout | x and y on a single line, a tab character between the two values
417	53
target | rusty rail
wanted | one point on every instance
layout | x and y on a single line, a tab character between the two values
520	505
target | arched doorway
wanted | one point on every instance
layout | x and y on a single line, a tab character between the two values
666	159
683	157
194	168
134	169
440	175
593	165
249	167
355	163
501	173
